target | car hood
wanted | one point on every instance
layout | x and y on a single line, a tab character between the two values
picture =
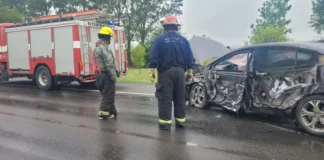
205	48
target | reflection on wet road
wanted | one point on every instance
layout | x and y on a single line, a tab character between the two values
63	125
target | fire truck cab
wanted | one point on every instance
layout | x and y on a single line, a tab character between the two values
56	52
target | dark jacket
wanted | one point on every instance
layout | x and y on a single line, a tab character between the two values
167	53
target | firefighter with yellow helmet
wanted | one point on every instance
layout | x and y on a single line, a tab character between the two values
172	56
106	75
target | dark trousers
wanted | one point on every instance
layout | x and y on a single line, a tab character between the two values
107	88
171	88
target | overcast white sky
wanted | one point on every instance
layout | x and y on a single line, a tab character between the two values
228	21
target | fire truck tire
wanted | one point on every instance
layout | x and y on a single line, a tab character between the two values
44	78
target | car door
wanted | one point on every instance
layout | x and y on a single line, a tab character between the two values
227	79
282	76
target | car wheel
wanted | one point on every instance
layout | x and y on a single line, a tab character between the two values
310	115
197	96
44	78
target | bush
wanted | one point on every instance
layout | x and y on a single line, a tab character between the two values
138	56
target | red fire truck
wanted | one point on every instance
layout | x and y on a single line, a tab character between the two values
56	52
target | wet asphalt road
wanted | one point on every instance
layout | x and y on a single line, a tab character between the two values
63	125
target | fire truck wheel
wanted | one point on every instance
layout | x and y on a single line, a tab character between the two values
44	78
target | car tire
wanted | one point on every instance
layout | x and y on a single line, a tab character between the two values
197	96
44	78
310	110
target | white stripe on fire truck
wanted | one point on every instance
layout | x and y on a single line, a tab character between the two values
124	46
76	44
3	48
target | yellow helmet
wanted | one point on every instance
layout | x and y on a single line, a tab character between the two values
107	31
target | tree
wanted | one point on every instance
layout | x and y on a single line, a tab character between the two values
272	26
18	5
152	11
266	34
139	17
273	13
10	15
87	4
63	6
317	18
39	7
126	13
138	53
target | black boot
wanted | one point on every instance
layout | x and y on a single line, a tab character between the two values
180	125
114	113
166	127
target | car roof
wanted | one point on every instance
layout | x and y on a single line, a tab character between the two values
311	45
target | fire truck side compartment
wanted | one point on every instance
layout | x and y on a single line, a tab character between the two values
63	49
18	49
41	43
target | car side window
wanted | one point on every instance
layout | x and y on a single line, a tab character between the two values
275	58
306	58
236	63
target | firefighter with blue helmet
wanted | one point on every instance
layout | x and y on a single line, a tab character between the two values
172	56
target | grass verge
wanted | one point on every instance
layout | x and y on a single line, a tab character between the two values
134	76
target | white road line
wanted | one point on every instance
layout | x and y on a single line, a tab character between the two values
117	92
191	144
125	93
281	128
134	93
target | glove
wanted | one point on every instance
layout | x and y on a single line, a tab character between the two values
189	75
152	74
117	73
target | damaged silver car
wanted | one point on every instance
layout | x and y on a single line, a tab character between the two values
286	76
